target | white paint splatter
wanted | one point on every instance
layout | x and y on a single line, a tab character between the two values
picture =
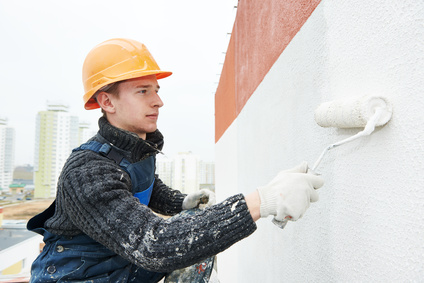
133	237
137	254
233	207
151	235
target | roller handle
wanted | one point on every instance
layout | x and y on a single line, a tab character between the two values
280	224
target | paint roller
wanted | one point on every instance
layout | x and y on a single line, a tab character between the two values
367	111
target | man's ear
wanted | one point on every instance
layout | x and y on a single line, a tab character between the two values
104	99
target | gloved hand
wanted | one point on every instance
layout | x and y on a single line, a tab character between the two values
290	193
202	199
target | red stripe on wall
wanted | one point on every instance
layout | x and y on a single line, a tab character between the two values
225	99
261	32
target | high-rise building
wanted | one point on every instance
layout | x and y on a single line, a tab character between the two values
84	132
56	136
207	172
186	172
7	154
165	170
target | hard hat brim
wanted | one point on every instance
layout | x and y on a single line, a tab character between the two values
91	102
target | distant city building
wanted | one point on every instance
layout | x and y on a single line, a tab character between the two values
207	172
84	132
57	133
74	131
23	175
16	188
165	170
186	172
7	154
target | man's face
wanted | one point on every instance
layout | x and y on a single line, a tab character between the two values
137	106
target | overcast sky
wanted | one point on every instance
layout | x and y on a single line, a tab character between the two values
44	43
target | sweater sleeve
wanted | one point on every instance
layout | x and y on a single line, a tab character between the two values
96	198
165	200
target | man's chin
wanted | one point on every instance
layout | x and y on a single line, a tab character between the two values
152	131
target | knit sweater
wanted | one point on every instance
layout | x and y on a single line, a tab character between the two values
94	198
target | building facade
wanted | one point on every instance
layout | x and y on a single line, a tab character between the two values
165	169
185	172
7	154
207	175
84	132
56	136
284	59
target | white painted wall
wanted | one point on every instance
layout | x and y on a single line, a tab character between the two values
369	223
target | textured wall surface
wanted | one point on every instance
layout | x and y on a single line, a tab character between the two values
369	223
261	32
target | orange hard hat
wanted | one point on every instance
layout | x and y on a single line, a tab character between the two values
116	60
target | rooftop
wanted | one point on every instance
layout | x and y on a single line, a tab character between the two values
13	232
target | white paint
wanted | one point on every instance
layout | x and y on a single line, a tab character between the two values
226	155
233	207
368	225
353	112
370	125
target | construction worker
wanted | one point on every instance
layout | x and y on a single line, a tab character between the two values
102	225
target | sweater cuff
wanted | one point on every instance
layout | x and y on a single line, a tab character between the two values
268	202
240	215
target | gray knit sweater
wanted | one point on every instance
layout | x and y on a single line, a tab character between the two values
94	197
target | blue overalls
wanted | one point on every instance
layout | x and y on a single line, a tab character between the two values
80	258
142	173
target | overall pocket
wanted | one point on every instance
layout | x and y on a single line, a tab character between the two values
79	259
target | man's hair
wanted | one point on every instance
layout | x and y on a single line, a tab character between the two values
111	89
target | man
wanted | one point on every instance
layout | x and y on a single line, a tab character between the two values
102	226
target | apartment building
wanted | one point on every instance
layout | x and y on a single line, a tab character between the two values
165	169
56	136
7	154
185	172
84	132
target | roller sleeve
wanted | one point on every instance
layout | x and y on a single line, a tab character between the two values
352	112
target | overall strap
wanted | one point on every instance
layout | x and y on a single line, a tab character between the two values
141	174
106	150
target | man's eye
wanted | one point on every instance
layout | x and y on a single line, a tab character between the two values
143	91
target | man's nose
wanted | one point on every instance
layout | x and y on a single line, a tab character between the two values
157	102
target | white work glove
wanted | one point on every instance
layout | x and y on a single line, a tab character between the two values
202	199
289	194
